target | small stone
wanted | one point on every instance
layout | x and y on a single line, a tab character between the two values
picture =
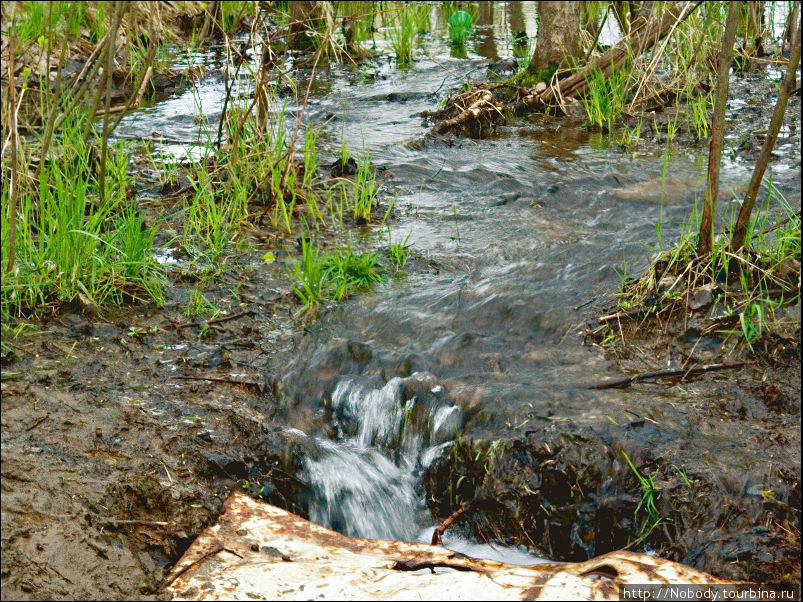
540	87
702	297
507	65
665	283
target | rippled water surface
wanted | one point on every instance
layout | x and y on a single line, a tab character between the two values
514	234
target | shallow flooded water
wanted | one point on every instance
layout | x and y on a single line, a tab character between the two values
514	236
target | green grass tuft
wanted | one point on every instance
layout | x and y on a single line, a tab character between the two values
334	275
346	271
70	245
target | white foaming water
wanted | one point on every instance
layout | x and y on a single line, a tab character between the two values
360	492
364	485
378	411
444	423
518	555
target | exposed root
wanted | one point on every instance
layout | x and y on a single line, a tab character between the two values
477	106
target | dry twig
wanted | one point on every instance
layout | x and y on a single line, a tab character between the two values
629	380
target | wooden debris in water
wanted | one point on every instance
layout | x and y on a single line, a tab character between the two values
259	551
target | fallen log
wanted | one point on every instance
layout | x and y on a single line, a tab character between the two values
258	551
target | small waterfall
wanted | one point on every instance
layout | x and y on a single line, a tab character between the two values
360	492
366	482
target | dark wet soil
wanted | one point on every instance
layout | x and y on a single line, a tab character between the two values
567	490
111	463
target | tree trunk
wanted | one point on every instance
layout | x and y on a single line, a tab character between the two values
108	72
641	39
591	23
300	13
754	29
558	34
621	11
706	237
515	16
740	230
481	105
643	12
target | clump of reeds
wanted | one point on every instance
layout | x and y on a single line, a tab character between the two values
404	24
70	231
71	242
737	294
460	24
334	275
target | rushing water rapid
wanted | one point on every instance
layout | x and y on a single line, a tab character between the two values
365	483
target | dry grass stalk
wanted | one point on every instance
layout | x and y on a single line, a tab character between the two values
135	100
118	8
649	71
14	180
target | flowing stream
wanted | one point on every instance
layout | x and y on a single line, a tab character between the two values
513	235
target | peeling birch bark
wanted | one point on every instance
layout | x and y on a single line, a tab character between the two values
258	551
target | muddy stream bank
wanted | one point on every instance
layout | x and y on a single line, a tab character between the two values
463	379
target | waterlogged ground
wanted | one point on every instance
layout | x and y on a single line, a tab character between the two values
463	378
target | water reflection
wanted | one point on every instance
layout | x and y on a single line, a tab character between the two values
515	19
486	42
518	29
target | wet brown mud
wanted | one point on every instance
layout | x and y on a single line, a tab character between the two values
112	461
